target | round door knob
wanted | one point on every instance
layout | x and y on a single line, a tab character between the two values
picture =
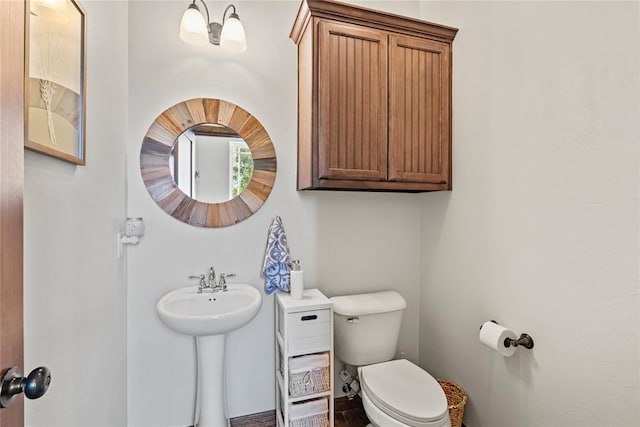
37	383
12	383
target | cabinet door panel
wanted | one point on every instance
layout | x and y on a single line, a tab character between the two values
352	81
419	110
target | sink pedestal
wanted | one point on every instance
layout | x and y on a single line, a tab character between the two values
211	390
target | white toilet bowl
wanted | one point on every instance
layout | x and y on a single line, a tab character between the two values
399	394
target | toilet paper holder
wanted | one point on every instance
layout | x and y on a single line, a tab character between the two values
525	340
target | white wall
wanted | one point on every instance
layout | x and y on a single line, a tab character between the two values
74	288
347	242
541	229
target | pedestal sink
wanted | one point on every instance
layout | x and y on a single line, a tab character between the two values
209	316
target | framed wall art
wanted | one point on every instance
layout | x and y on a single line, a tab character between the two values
56	79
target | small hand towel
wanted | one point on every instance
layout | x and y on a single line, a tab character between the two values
277	261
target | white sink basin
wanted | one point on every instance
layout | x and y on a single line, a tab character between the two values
188	312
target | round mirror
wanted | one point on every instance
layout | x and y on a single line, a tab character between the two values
208	162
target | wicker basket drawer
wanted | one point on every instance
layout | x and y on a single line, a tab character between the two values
309	374
311	413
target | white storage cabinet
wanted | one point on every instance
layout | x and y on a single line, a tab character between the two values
304	360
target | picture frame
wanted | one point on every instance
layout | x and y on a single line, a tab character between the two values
56	64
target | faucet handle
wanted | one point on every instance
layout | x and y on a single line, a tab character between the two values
203	282
223	279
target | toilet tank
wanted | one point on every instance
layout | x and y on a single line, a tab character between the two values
366	326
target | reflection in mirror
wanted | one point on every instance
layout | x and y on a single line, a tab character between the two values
211	163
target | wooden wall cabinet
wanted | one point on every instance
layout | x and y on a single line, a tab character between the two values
374	100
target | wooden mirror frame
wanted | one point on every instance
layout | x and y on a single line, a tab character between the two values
154	162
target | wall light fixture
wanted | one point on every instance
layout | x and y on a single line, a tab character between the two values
230	34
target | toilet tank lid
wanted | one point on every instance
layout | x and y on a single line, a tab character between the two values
361	304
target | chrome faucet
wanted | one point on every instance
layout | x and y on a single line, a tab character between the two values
209	283
212	278
206	283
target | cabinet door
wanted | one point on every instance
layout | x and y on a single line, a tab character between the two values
352	82
419	110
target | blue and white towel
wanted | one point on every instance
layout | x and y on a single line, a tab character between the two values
277	261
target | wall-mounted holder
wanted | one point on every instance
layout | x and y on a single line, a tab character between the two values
525	341
133	231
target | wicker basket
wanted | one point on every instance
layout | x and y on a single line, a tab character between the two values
317	420
310	382
312	413
311	376
456	399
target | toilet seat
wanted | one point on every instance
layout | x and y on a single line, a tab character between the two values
404	392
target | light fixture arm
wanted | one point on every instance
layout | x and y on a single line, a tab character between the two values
205	8
224	15
215	28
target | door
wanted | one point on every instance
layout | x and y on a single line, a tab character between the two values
352	79
419	110
12	75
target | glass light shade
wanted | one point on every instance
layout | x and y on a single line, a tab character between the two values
233	38
193	28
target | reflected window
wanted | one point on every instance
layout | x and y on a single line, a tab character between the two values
241	167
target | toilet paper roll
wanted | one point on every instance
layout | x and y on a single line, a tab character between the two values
493	335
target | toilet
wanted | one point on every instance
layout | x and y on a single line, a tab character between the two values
394	393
